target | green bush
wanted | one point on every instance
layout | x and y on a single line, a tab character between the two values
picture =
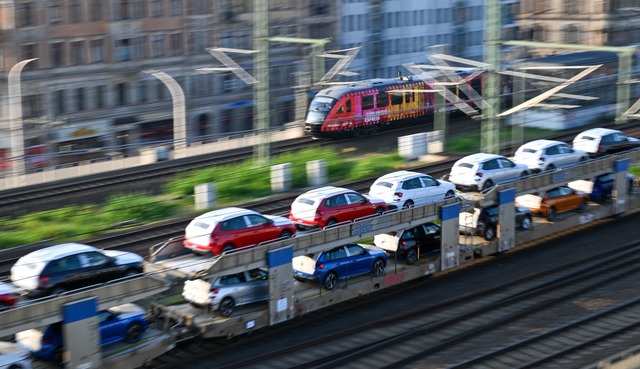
375	166
137	206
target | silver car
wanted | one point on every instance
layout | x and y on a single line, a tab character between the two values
226	292
482	171
543	155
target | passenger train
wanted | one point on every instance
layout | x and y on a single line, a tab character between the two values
363	107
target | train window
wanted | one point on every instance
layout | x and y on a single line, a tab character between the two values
348	105
382	100
396	99
367	102
407	97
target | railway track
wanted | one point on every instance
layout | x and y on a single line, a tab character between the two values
526	322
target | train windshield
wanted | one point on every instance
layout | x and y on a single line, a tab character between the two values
319	108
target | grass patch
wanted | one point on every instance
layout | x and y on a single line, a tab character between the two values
471	143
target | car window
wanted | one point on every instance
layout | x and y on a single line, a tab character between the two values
529	151
409	234
553	193
465	165
605	177
355	198
355	249
105	316
607	138
233	278
432	229
96	258
64	264
411	184
258	274
233	224
492	211
255	220
553	150
566	191
335	254
491	165
565	149
428	181
506	163
385	184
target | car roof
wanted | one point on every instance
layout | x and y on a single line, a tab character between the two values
541	144
598	132
325	191
220	215
400	175
479	158
58	251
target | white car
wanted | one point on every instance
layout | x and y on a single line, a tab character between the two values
405	189
544	155
479	172
600	141
13	356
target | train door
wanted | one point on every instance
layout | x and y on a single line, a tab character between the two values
369	113
345	113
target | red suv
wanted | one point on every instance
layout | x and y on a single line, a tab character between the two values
329	205
227	229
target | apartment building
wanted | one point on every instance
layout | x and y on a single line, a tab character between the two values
88	91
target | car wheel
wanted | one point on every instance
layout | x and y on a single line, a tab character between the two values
552	216
583	206
330	280
489	233
330	223
379	211
412	256
56	357
227	248
450	195
227	305
15	366
286	234
58	291
487	185
378	267
3	306
134	333
408	205
525	223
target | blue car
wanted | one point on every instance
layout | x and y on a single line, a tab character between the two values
126	322
601	187
329	266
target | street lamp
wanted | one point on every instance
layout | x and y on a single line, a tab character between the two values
15	119
179	112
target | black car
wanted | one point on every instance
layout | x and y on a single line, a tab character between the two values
412	243
486	222
61	268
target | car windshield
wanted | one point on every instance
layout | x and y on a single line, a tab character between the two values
465	165
588	138
385	184
529	151
306	201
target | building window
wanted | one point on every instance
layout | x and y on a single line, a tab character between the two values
157	45
200	7
25	15
55	13
31	106
96	10
77	52
175	44
121	93
571	35
137	11
122	10
143	95
59	102
97	52
571	6
80	98
538	33
176	7
156	8
76	12
100	97
56	52
139	47
123	50
29	52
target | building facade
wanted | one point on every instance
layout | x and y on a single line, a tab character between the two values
88	90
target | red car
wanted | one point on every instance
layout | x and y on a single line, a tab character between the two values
330	205
228	229
8	296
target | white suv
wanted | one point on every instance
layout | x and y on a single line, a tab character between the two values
543	155
405	189
482	171
600	141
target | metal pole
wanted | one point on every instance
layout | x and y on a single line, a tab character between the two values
517	121
261	89
179	112
490	138
624	75
15	119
